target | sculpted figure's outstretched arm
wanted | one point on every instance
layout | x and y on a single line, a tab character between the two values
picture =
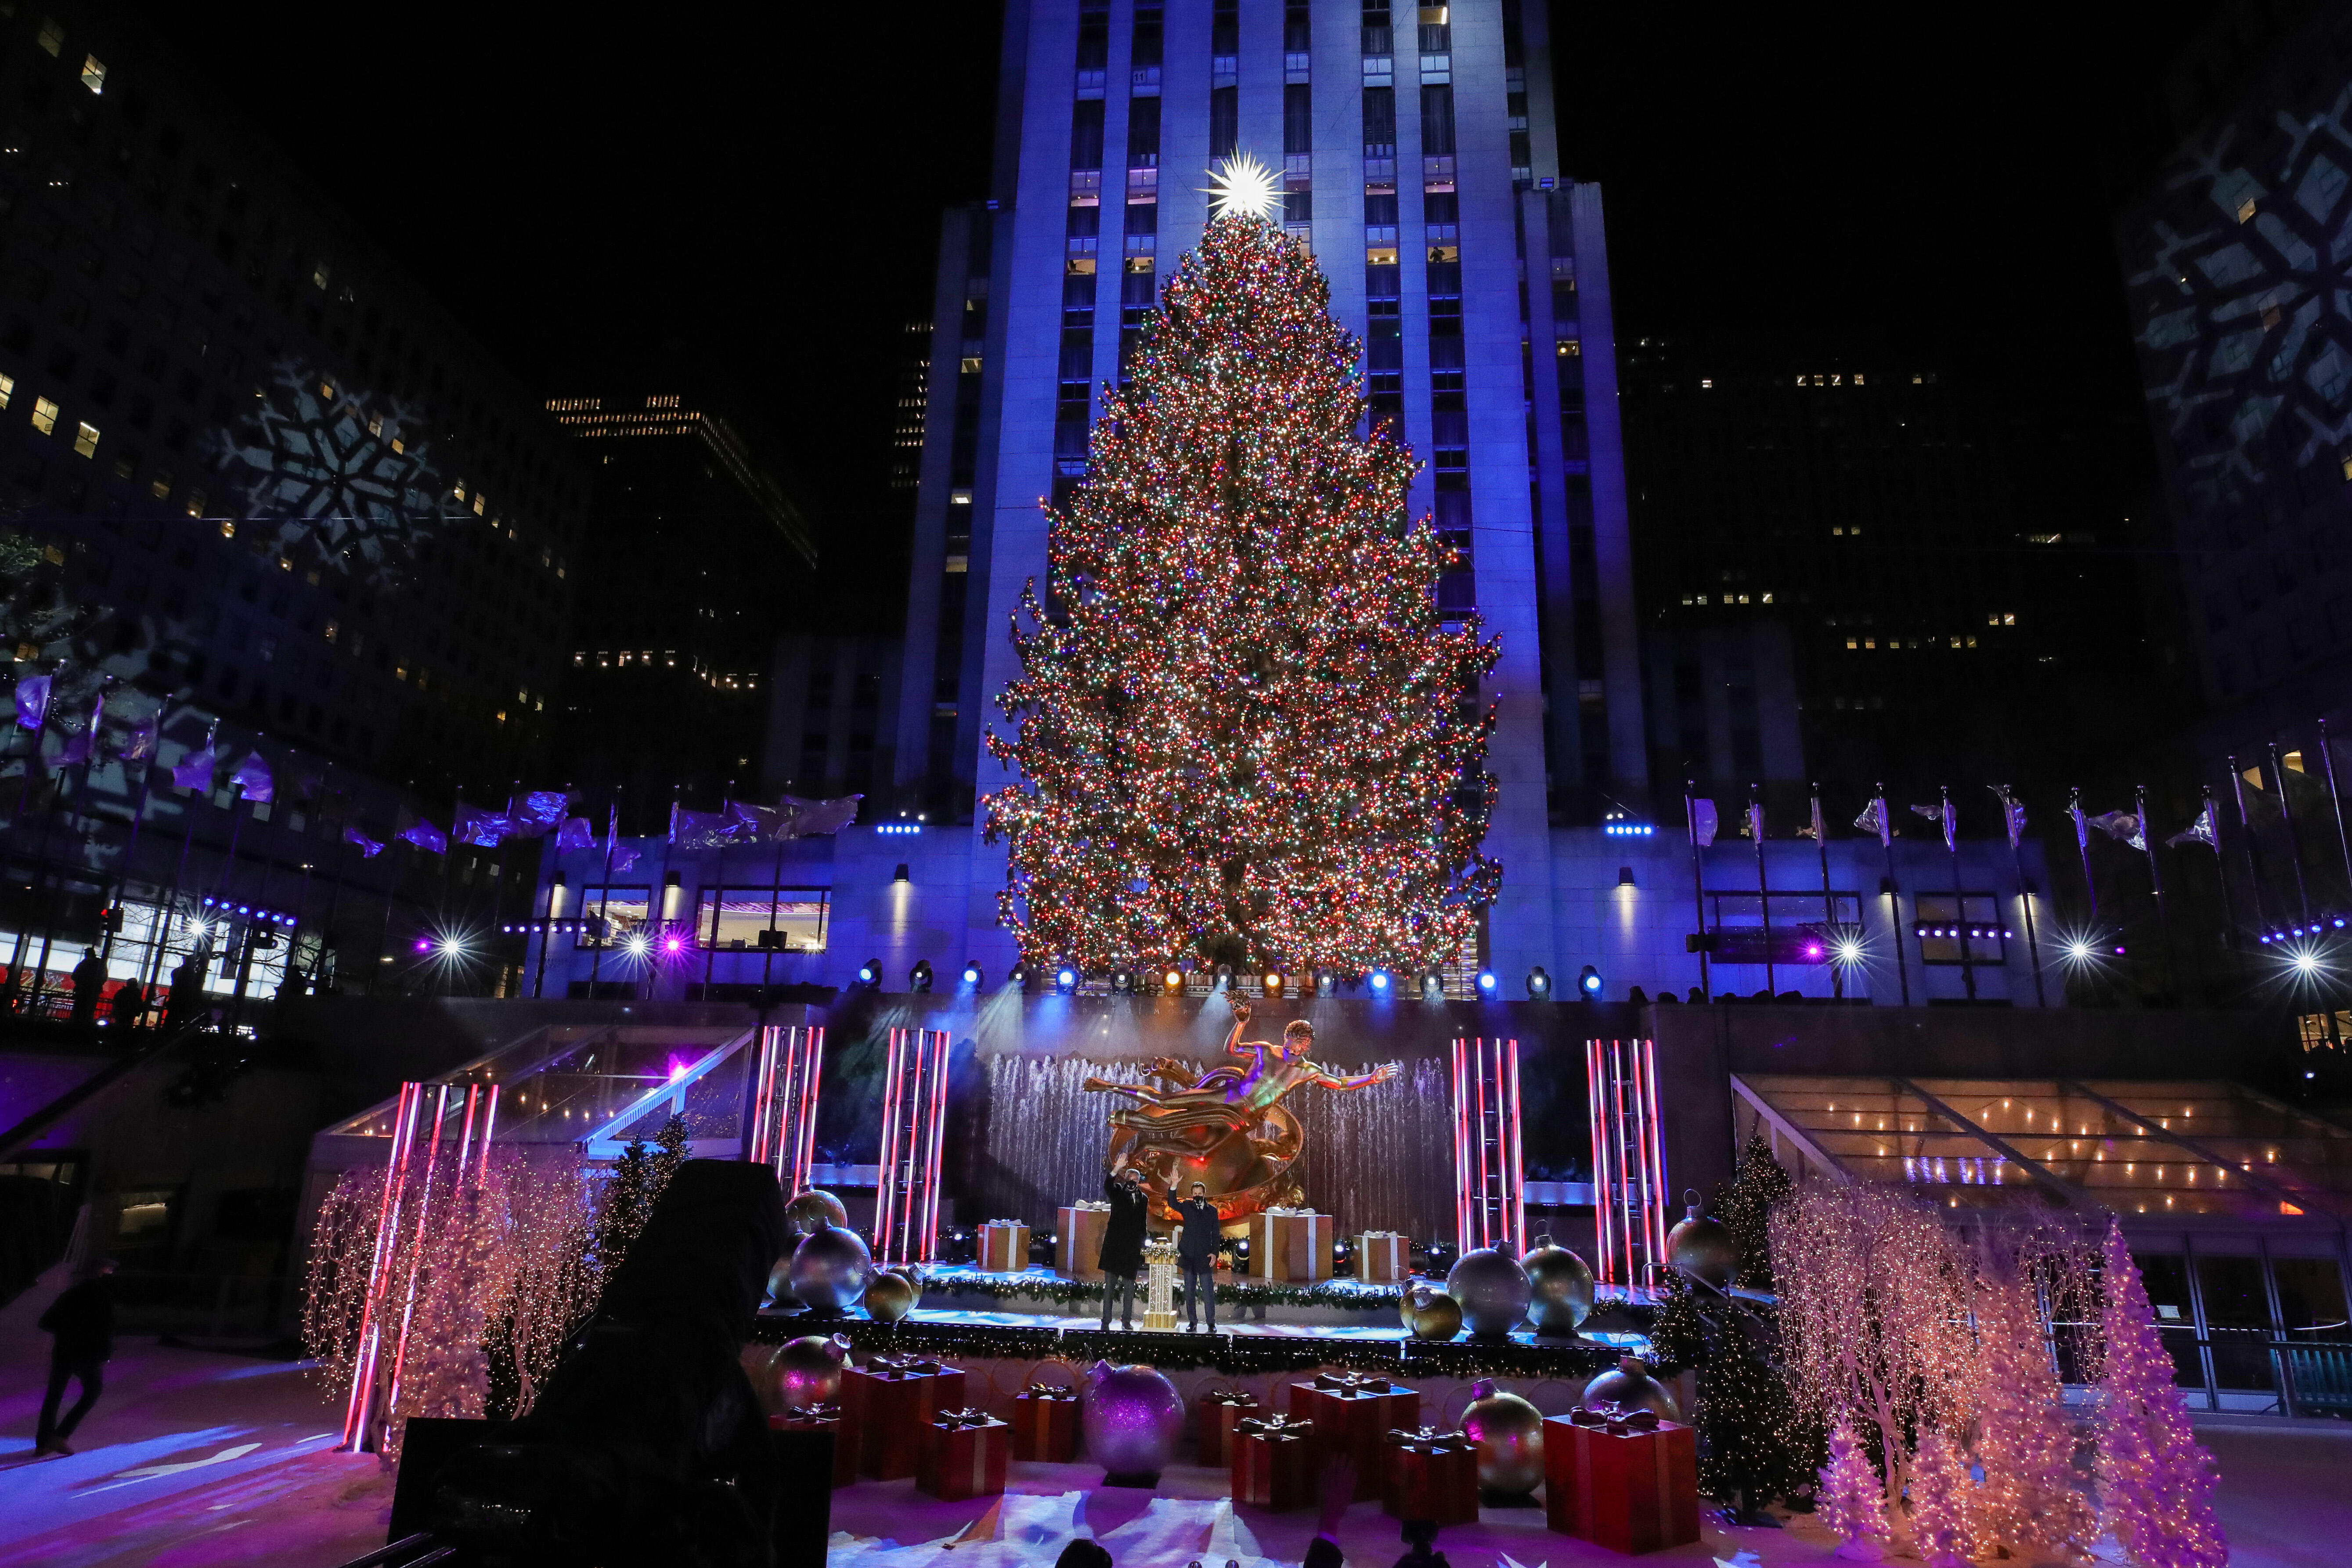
1381	1074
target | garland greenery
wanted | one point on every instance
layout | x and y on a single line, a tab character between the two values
1234	1355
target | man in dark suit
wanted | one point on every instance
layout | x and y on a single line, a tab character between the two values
1122	1243
1196	1253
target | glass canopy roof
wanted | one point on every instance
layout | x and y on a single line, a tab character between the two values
2177	1148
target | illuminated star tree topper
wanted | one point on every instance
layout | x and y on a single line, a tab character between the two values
1242	731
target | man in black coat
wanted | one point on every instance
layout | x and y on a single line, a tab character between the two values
1122	1243
82	1319
1196	1253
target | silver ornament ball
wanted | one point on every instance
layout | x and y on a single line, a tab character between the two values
812	1208
1562	1284
831	1268
1506	1433
1492	1288
807	1370
1631	1387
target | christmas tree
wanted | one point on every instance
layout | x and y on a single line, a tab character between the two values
1241	730
1760	1185
1753	1443
1850	1499
1940	1503
2155	1482
2024	1441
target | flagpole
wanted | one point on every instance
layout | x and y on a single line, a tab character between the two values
498	891
1829	899
555	886
604	892
138	820
2294	834
1698	885
2156	883
1894	894
342	853
717	910
1763	888
2253	850
1959	898
179	873
2082	845
33	757
2336	802
2016	831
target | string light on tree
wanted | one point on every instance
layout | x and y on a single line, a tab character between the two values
2155	1481
1242	732
1852	1501
2027	1503
1939	1504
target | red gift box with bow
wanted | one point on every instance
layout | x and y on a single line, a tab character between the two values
1221	1414
1045	1423
1353	1413
822	1418
889	1404
1273	1462
963	1455
1431	1475
1624	1479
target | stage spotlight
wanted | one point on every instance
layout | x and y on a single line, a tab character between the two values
1486	983
1380	982
1589	983
918	979
1274	984
1224	977
1019	977
1174	980
870	973
973	975
1433	987
1065	980
1122	980
1538	984
1325	983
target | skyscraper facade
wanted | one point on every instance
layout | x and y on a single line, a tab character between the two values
1418	158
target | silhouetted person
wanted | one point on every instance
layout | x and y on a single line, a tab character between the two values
187	993
89	984
82	1321
1420	1546
1196	1255
1122	1243
1083	1553
129	1007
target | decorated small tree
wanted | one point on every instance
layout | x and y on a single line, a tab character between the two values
1850	1499
1240	727
1754	1443
2028	1503
1941	1503
2155	1482
1760	1185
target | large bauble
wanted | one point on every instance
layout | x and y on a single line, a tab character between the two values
807	1371
1492	1287
890	1295
1562	1288
1701	1248
1132	1418
831	1268
809	1209
1632	1387
1437	1316
780	1295
1507	1433
1409	1298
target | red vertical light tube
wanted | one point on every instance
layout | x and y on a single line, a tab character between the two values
1461	1153
1641	1131
1518	1170
1599	1165
387	1222
812	1077
886	1196
1657	1135
489	1125
416	1249
1485	1178
466	1134
762	1068
939	1147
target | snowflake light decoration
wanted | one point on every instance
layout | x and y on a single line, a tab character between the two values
347	472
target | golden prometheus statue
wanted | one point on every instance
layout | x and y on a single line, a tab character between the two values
1227	1128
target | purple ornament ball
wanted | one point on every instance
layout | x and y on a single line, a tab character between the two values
1132	1418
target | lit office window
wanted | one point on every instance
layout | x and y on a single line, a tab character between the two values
52	35
86	440
93	74
7	389
44	415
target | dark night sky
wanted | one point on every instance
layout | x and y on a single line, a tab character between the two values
754	195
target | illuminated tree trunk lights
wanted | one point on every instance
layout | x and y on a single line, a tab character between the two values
397	1261
2155	1481
1629	1160
914	1123
1490	1183
783	1111
1241	729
